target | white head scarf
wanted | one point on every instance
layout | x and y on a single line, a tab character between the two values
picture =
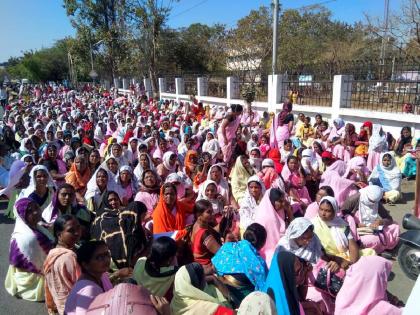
370	196
248	203
32	183
165	160
377	142
309	156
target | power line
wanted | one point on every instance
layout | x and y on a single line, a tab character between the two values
189	9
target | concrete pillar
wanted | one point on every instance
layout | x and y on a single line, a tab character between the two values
276	87
148	87
125	84
179	87
202	87
341	97
232	89
116	83
162	85
107	84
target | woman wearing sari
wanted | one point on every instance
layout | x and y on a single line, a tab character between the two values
387	176
248	205
242	268
282	126
364	290
313	209
156	272
125	185
345	150
208	191
334	233
55	166
149	190
170	214
97	188
121	230
190	163
365	207
377	145
241	171
41	187
226	133
61	269
402	148
362	145
268	173
337	132
145	163
193	295
78	177
168	165
274	214
29	246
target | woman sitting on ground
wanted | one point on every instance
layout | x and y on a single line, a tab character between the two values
94	260
61	269
97	188
29	246
157	271
78	177
249	203
194	293
242	269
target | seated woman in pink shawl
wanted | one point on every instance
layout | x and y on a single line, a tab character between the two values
275	214
337	132
364	290
149	190
345	149
333	177
357	170
377	145
368	212
226	133
313	208
268	173
295	181
282	126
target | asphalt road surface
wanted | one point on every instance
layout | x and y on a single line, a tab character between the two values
398	285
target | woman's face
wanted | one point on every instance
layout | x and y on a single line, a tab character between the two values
255	190
320	194
125	177
33	214
280	204
169	196
305	238
52	152
112	165
207	217
149	179
94	158
211	191
28	145
70	234
100	261
133	144
65	197
326	212
263	140
80	163
386	161
116	150
288	146
172	160
255	154
50	136
318	119
41	178
163	145
293	165
215	174
245	163
209	136
144	161
67	140
102	179
114	201
406	133
317	148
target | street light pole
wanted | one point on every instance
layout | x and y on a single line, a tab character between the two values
275	25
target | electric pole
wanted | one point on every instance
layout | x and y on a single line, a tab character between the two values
275	26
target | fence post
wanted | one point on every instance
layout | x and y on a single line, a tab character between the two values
341	97
232	89
202	87
116	83
162	85
179	87
125	84
148	87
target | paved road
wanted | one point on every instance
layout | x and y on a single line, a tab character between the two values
399	285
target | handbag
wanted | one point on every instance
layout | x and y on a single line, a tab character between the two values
328	282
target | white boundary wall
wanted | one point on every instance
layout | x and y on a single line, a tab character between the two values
392	122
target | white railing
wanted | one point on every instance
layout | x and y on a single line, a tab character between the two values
340	107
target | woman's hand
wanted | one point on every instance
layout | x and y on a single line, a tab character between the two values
124	273
161	304
333	266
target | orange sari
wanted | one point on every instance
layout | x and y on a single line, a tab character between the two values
77	180
165	221
189	165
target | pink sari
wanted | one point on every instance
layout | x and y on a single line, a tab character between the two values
231	128
364	288
273	222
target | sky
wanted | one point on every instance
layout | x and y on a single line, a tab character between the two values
34	24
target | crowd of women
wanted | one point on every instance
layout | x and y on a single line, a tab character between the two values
198	209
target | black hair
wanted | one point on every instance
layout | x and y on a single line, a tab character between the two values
287	141
60	222
275	195
168	185
328	203
137	207
201	206
291	157
102	170
86	251
162	250
236	108
256	235
318	116
328	190
196	273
